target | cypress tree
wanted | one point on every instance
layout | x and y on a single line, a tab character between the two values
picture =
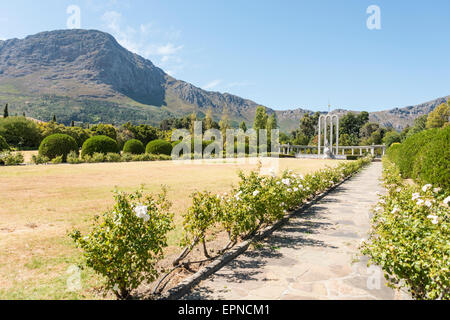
54	118
5	112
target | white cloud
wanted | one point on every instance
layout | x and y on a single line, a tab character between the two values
168	49
211	85
146	40
239	84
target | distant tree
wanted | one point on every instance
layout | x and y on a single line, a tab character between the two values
301	139
368	129
20	132
260	119
224	124
392	137
308	125
284	138
350	124
5	112
144	133
54	118
420	124
104	130
208	123
243	126
363	118
24	115
439	116
192	120
72	124
272	123
346	139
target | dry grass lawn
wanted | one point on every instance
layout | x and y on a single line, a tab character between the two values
40	204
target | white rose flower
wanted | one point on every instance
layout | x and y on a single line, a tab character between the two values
426	187
428	203
420	202
434	219
255	193
447	200
141	213
295	189
394	210
415	196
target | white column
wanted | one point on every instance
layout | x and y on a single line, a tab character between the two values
320	133
331	135
337	135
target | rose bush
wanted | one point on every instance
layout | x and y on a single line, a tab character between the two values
256	202
127	241
410	236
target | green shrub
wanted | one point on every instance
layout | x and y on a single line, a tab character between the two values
409	236
98	158
432	163
99	144
73	158
11	159
125	245
424	156
57	145
57	160
3	144
127	157
159	147
113	157
20	132
39	159
409	150
134	146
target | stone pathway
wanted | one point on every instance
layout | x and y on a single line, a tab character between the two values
314	256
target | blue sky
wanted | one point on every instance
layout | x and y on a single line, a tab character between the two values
282	54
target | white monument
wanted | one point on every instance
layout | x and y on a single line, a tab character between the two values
331	138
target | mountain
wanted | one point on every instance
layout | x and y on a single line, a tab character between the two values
87	76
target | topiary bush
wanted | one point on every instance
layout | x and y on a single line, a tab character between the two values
432	163
20	132
99	144
3	144
409	150
57	145
134	146
159	147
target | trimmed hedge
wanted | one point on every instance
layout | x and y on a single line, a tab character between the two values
99	144
134	146
424	156
432	163
3	144
57	145
159	147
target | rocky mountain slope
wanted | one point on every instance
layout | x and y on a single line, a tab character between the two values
85	75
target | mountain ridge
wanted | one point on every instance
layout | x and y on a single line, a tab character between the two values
86	75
